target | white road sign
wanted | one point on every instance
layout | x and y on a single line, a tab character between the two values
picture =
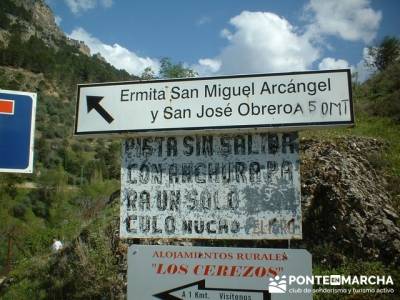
243	186
215	273
285	100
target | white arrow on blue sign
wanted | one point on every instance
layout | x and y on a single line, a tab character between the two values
17	127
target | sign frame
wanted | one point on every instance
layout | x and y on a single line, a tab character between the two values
226	128
33	96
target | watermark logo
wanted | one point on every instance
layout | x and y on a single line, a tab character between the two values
277	285
341	280
340	284
335	280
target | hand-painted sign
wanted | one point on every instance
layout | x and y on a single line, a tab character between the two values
211	186
216	273
17	127
287	100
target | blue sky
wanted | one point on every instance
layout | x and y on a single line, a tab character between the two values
230	36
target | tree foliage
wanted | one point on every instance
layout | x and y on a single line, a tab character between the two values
170	70
9	7
46	204
380	95
384	54
148	74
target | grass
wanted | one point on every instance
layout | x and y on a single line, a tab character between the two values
383	129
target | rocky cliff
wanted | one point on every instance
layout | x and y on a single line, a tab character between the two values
43	17
41	24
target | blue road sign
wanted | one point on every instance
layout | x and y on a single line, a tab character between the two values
17	127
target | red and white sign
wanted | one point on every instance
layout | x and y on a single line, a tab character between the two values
215	273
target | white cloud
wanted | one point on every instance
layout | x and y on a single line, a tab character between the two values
261	42
116	55
352	20
225	33
213	64
207	66
107	3
360	71
363	72
329	63
264	42
203	20
78	6
57	20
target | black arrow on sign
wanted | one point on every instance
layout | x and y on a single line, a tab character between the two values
93	102
201	286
